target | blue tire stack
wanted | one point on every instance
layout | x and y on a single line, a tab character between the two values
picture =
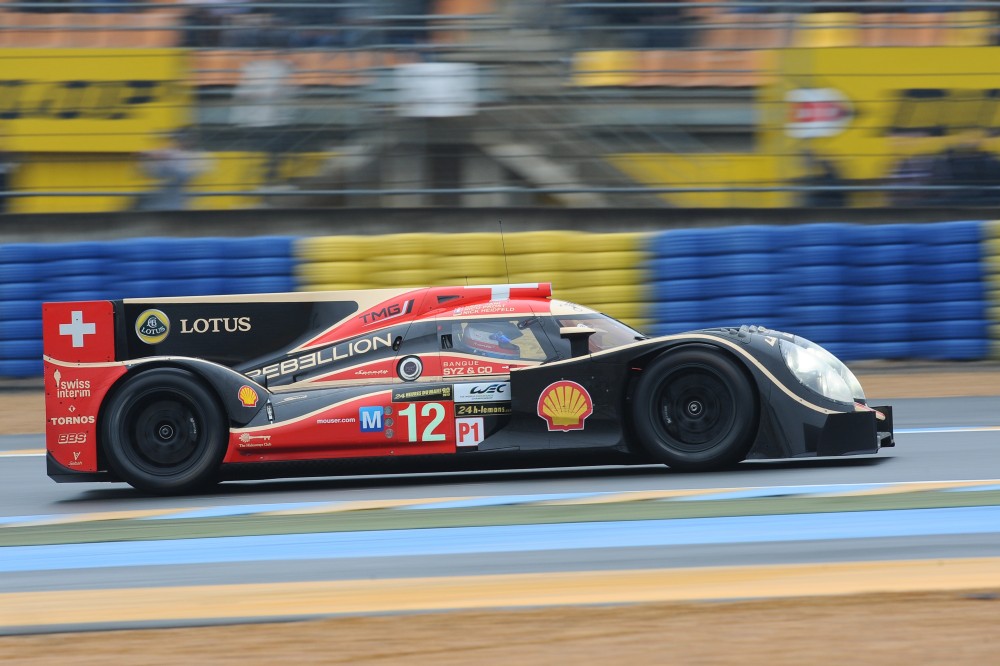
891	291
713	277
32	273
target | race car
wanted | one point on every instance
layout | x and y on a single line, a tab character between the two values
173	394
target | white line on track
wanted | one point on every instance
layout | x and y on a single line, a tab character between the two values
946	429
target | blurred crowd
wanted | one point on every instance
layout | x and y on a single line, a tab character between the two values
307	24
968	173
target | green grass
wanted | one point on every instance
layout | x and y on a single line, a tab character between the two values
395	519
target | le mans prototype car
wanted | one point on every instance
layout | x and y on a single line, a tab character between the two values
174	394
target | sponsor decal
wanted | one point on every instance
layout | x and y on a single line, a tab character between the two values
216	325
471	367
76	459
71	388
76	99
247	396
483	409
344	419
248	441
152	326
387	312
817	112
369	373
565	405
469	432
83	419
77	328
410	368
943	112
493	307
72	438
423	394
371	419
490	392
322	356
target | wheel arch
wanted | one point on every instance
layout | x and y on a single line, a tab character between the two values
641	362
224	385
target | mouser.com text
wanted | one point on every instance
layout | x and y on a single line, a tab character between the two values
322	356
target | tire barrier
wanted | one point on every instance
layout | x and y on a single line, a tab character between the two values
31	273
889	291
991	283
893	291
605	271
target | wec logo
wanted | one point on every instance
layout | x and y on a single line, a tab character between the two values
492	392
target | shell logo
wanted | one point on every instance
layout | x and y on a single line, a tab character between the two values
247	396
565	405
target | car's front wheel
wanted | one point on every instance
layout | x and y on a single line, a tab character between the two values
164	432
695	409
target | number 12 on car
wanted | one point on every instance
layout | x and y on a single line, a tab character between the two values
426	423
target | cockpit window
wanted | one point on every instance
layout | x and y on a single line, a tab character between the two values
514	339
610	333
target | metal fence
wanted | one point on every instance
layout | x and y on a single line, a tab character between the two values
114	105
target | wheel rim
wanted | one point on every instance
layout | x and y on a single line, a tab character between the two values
163	433
695	410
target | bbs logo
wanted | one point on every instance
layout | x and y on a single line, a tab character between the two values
72	438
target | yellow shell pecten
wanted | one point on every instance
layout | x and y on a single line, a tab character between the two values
566	405
248	396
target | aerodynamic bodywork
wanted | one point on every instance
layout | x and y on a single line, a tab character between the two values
172	394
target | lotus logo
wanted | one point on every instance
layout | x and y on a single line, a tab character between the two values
247	396
565	405
152	326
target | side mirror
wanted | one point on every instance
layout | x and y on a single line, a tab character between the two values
579	339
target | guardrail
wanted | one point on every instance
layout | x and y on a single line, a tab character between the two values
891	291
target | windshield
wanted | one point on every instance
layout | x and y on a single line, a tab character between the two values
611	333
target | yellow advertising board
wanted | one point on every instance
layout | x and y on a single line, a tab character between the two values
865	109
91	100
229	180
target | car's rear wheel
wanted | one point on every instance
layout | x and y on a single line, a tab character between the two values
695	409
164	432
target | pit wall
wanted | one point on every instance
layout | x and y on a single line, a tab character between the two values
897	291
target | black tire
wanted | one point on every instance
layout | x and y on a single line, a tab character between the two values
163	432
695	409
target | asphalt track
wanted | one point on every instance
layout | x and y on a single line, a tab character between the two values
954	439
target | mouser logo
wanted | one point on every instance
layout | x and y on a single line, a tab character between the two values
216	325
492	392
322	356
387	312
72	420
152	326
71	388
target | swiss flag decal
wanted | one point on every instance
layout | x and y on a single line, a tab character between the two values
81	332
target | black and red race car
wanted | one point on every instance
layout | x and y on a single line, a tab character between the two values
173	394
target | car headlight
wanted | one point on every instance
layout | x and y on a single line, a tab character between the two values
820	371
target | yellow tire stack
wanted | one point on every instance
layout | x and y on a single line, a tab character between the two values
602	271
334	263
